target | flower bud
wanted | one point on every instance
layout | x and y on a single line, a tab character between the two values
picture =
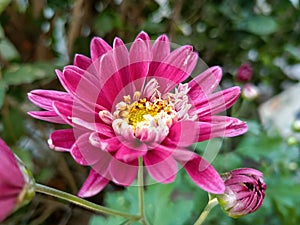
244	73
296	125
250	92
244	192
16	182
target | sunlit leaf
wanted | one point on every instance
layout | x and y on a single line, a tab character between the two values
28	73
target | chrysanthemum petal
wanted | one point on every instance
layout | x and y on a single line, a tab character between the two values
122	173
183	134
98	48
94	183
129	153
217	102
45	98
84	153
205	83
221	126
49	116
139	55
161	165
62	140
175	68
201	172
7	206
77	81
82	61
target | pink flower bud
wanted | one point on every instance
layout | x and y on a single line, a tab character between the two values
16	183
244	73
244	193
250	91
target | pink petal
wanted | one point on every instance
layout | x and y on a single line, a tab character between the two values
201	172
121	58
82	61
161	165
62	140
221	126
6	206
84	153
139	55
111	89
161	48
217	102
93	185
175	68
129	153
49	116
98	48
104	142
183	134
205	83
45	98
77	81
9	169
122	173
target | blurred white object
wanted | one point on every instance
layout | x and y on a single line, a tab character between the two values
279	113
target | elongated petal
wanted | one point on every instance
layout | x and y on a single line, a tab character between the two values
122	173
161	165
49	116
84	153
205	83
139	55
82	61
217	102
129	153
93	185
221	126
175	68
98	48
200	171
62	140
45	98
183	134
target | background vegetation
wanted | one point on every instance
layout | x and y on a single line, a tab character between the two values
38	36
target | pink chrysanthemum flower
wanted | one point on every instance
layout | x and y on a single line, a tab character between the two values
125	104
16	185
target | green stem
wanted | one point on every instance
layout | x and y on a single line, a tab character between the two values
210	205
141	192
82	202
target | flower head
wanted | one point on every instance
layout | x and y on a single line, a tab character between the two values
244	73
244	193
16	184
123	104
250	92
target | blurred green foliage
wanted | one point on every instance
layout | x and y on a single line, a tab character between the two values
38	36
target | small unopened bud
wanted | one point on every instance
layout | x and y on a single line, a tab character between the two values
244	73
250	92
16	182
296	125
244	192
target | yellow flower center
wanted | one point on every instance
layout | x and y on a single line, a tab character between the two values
142	107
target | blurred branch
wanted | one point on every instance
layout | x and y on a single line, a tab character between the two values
175	19
75	24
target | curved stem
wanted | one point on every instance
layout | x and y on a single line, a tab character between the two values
210	205
82	202
141	192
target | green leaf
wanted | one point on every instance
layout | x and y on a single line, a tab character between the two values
259	25
3	5
259	146
28	73
164	207
98	220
